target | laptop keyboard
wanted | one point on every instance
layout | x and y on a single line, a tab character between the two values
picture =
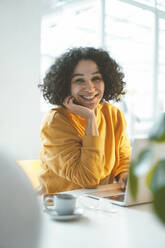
107	194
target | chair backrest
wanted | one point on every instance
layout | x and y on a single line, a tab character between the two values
31	169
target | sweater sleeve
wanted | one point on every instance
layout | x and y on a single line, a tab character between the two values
77	159
123	147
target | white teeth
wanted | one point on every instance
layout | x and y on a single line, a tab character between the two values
88	97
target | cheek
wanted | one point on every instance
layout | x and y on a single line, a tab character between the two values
102	88
74	90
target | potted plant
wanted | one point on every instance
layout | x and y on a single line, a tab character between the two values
155	172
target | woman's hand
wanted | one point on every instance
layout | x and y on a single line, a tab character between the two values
86	113
123	180
77	109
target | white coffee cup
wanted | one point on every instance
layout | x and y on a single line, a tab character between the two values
64	204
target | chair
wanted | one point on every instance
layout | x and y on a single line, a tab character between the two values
31	169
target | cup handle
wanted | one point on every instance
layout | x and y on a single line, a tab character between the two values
45	201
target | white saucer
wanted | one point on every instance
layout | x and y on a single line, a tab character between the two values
55	216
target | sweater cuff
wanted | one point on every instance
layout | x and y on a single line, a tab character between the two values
95	142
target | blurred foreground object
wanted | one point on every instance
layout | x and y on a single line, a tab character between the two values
156	167
19	208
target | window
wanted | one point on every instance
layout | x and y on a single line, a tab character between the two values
132	31
129	36
161	74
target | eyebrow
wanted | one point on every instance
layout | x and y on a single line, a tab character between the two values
79	74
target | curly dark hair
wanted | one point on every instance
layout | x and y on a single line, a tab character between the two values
57	82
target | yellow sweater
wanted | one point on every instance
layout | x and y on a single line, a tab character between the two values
70	160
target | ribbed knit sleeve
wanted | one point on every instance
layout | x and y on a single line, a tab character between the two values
79	160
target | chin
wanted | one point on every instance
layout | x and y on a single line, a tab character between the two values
91	106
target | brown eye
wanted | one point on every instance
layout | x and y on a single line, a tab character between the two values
97	79
79	80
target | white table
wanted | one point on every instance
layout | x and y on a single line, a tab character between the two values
128	227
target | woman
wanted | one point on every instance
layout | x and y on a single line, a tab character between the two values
84	141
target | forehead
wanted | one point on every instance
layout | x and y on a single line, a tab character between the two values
86	67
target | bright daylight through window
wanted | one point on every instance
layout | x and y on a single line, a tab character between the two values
132	31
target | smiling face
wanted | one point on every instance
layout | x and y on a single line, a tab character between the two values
87	85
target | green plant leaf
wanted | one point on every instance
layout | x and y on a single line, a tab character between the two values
157	132
149	177
158	176
133	181
158	189
159	204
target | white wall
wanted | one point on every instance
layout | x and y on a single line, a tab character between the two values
19	75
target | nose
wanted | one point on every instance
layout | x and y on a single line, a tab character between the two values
89	85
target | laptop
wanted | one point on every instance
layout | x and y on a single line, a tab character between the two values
113	191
